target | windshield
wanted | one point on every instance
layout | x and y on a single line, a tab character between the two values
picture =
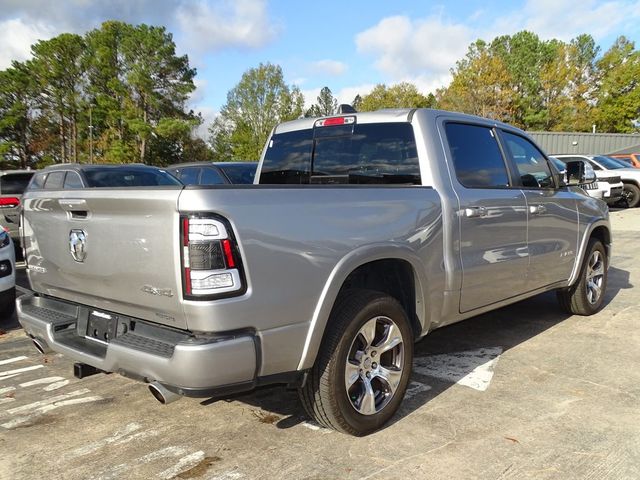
374	153
609	163
110	177
239	172
559	164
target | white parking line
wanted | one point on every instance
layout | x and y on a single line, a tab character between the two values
12	373
471	368
13	360
56	386
6	390
48	401
185	462
40	381
16	422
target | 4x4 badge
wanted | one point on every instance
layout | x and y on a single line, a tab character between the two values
78	245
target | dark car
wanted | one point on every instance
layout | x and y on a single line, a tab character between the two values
12	185
74	176
214	173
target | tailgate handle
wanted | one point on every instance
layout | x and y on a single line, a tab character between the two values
76	207
73	204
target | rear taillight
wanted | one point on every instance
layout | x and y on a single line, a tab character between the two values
211	262
9	202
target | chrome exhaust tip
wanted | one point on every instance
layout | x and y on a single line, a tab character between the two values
41	346
162	394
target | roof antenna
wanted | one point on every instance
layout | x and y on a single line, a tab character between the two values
346	108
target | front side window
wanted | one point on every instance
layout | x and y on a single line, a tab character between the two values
377	153
532	166
477	159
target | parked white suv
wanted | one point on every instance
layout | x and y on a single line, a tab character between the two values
7	276
621	182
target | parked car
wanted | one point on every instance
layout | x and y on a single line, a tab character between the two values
596	189
73	176
367	231
7	276
610	170
631	158
214	173
12	185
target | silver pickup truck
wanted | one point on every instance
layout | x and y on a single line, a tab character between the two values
363	233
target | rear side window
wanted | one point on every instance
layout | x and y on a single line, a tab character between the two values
54	181
72	181
477	159
115	177
189	175
14	183
365	154
240	173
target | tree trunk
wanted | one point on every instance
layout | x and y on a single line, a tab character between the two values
63	140
74	126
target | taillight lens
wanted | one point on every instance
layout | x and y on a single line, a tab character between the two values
210	258
9	202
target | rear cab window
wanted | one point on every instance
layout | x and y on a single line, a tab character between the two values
368	153
476	155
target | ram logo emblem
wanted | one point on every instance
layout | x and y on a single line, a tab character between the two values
78	245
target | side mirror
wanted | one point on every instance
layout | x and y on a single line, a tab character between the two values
580	172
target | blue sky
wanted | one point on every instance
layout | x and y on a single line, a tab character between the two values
348	46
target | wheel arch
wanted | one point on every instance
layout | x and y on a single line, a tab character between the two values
364	268
602	231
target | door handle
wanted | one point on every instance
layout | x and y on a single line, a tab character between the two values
475	212
537	209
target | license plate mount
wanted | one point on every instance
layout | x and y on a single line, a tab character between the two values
101	326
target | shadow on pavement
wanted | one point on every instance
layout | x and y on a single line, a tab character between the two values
471	344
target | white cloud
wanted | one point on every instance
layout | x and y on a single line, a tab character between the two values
404	47
347	94
208	115
239	23
333	68
16	38
564	19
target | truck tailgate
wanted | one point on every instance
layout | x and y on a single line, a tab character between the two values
112	249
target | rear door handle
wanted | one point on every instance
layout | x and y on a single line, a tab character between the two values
537	209
475	212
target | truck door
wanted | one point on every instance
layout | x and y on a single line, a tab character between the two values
492	217
552	214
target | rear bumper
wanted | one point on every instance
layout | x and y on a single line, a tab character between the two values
185	364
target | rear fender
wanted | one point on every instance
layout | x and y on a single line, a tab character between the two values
336	279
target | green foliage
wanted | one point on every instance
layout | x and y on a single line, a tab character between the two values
325	106
254	106
548	85
400	95
122	83
619	87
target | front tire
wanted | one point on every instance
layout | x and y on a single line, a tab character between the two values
586	296
363	366
631	195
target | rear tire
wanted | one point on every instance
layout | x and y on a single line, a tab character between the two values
363	365
631	195
586	296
